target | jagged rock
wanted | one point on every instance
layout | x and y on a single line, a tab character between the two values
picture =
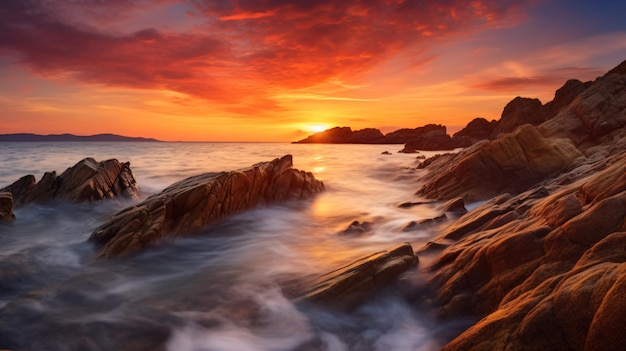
357	228
564	96
510	163
541	269
434	137
195	202
406	135
417	225
518	112
350	285
595	115
88	180
456	206
345	135
6	207
477	129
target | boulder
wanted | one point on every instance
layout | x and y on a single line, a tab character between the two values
518	112
350	285
6	207
88	180
357	228
511	163
185	207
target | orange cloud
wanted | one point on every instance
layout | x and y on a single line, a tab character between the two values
244	53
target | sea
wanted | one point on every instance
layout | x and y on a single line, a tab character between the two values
220	289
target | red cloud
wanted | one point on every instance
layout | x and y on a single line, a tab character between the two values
246	47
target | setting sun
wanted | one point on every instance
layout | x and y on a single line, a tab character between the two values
316	128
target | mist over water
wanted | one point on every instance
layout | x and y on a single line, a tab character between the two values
220	289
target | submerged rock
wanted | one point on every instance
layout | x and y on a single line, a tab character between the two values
195	202
6	207
88	180
510	163
350	285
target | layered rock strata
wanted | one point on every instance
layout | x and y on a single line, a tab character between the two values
88	180
6	207
189	205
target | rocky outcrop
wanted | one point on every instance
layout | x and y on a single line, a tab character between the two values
595	115
345	135
88	180
195	202
511	163
350	285
6	207
564	96
543	268
518	112
477	129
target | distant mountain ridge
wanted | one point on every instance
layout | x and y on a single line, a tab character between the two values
28	137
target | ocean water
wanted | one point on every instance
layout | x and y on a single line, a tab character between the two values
220	289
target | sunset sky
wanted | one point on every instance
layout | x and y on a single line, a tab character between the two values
275	70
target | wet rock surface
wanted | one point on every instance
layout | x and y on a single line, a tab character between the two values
88	180
189	205
350	285
6	207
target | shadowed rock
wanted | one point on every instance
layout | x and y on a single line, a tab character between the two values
510	163
88	180
477	129
518	112
195	202
595	115
350	285
6	207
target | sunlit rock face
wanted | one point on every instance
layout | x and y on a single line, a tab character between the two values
195	202
545	269
6	207
512	162
350	285
88	180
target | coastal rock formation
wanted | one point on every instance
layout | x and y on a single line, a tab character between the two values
195	202
88	180
477	129
545	269
594	116
512	163
518	112
6	207
350	285
345	135
564	96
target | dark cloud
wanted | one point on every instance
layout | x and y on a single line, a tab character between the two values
246	47
549	79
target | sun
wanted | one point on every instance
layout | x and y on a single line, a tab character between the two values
316	128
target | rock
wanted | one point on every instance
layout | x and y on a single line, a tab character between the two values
417	225
409	204
185	207
540	269
357	228
385	153
406	135
477	129
366	136
518	112
6	207
434	138
350	285
596	113
564	96
456	206
88	180
511	163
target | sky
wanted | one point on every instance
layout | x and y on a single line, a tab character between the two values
278	70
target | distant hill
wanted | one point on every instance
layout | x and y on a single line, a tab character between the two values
27	137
